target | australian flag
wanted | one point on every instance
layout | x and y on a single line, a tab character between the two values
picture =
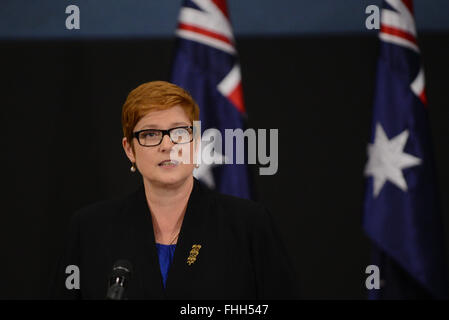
401	212
206	65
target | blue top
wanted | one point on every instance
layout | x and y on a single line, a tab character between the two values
165	253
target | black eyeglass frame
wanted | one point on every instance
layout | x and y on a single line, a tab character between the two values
164	132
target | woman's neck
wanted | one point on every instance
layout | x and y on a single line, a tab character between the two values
167	205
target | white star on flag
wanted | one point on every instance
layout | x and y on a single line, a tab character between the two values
387	160
214	157
204	171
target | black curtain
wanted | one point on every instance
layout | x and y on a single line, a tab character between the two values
61	138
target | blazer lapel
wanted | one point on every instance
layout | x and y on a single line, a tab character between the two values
181	275
147	269
142	247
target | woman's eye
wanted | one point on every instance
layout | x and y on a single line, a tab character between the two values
178	132
150	134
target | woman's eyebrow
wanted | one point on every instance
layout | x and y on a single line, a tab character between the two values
172	125
179	124
150	126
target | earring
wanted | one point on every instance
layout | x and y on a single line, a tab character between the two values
133	168
197	166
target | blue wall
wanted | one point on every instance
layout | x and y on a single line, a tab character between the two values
157	18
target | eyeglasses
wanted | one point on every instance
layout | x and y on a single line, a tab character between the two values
153	137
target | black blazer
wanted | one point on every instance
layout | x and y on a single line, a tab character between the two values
241	254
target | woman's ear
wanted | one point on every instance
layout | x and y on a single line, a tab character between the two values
128	150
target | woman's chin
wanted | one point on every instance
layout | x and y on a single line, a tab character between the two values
170	178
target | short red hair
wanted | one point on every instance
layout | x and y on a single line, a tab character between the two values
152	96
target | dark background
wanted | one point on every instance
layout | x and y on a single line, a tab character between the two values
61	138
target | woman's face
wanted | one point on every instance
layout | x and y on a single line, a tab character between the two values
153	162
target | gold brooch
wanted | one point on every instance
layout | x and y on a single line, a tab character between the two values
193	253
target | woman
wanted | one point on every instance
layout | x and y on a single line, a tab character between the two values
182	240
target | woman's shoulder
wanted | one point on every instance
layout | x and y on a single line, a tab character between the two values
237	207
242	213
237	203
103	209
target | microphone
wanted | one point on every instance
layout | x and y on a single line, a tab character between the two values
118	281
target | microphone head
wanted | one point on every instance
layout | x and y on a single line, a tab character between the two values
122	268
118	281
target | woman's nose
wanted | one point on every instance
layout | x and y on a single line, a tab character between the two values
166	143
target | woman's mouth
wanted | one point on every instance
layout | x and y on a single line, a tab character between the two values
168	163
